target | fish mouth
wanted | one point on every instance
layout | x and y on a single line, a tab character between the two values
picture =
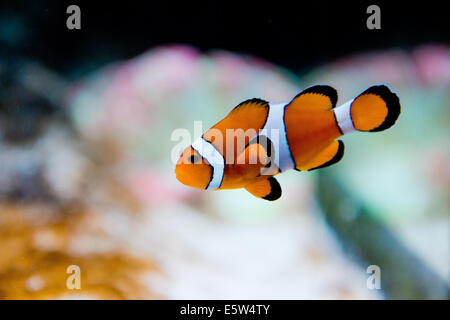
179	175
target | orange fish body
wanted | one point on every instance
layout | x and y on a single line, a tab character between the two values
258	139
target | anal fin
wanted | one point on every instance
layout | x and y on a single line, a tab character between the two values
267	189
327	157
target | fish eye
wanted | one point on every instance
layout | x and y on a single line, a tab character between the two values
193	158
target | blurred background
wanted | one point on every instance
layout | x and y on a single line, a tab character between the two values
86	177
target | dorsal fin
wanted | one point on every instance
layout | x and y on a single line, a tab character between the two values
250	113
254	102
319	97
247	118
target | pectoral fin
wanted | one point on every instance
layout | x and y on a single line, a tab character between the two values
254	154
267	189
327	157
256	160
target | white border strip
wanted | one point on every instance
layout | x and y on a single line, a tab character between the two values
215	159
275	121
343	117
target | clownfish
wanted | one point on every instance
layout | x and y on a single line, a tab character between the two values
258	139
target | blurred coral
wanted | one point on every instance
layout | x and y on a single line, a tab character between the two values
105	196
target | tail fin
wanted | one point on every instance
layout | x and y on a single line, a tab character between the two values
376	109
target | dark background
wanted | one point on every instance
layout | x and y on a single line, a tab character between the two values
295	34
